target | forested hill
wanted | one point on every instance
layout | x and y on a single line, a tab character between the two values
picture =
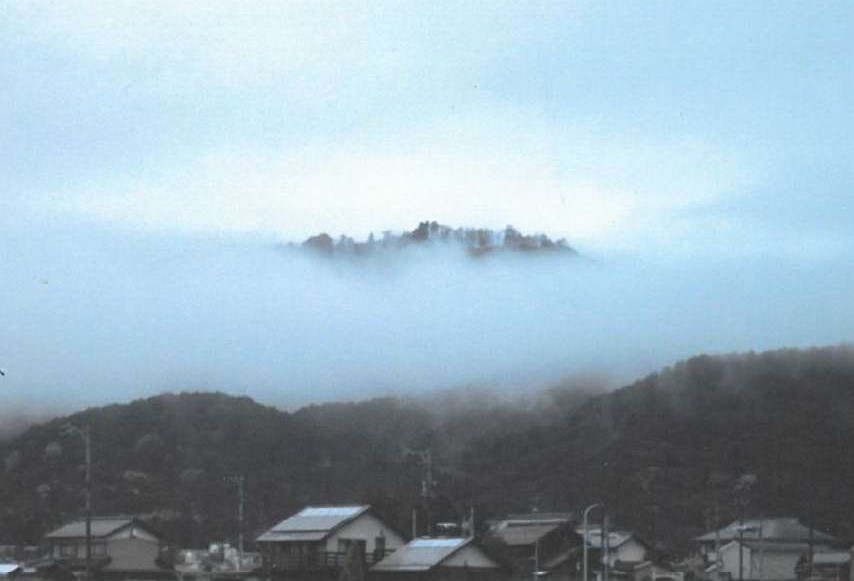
474	241
172	458
660	452
664	451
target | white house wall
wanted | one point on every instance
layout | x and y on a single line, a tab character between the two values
366	527
132	554
729	561
776	566
631	551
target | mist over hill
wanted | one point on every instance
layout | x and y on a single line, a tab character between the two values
661	452
114	316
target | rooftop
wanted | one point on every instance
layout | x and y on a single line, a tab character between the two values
100	527
421	554
772	530
525	529
313	523
594	537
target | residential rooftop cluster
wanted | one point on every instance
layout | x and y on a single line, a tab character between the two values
355	543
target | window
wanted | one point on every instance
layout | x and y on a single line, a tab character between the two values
68	550
99	548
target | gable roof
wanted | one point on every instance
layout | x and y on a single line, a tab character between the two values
615	538
773	530
525	529
100	527
313	523
422	554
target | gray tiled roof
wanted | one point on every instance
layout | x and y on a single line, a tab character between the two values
421	554
313	523
525	529
520	533
773	529
615	538
100	527
775	547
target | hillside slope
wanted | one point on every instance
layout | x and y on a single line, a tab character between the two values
663	452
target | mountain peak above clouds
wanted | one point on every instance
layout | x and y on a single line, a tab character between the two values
474	241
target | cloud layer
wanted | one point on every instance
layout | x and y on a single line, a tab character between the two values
155	154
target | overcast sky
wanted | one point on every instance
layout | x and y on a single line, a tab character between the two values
154	153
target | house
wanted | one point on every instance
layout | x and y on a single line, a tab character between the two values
120	548
770	561
439	559
767	548
624	548
318	541
533	542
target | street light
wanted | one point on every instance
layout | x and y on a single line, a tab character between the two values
584	545
87	441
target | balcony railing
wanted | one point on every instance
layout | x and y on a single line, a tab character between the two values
320	560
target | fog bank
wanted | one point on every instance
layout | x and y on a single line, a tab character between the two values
109	317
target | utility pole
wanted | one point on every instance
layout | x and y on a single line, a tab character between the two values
742	490
85	435
811	543
88	441
241	499
427	485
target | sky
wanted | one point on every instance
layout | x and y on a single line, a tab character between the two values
155	155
